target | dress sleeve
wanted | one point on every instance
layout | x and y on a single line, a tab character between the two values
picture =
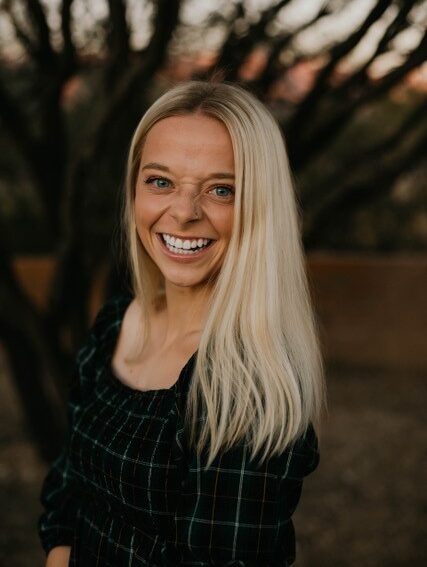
300	460
59	495
238	514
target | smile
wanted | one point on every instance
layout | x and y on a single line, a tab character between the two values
179	247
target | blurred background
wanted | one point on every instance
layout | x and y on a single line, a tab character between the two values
347	81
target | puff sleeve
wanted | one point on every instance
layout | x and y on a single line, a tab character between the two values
238	514
300	460
59	495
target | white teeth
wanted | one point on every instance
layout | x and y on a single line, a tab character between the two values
180	250
179	243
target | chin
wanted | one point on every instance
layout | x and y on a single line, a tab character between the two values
184	283
181	281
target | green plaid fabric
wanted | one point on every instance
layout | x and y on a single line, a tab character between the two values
126	490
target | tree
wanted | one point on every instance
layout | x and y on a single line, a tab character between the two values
75	154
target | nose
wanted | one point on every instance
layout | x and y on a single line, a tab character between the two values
185	207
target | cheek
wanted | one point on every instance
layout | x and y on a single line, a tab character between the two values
146	211
224	223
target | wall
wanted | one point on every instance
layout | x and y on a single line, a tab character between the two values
372	309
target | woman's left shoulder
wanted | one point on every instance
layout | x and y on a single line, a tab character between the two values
301	457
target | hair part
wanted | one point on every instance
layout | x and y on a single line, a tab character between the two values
258	373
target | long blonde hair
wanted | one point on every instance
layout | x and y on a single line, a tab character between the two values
258	373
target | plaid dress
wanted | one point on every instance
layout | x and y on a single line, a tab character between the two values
126	491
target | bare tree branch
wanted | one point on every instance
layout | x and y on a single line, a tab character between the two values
367	160
44	52
417	56
24	39
117	39
45	154
236	47
69	51
307	107
396	26
320	139
346	199
17	126
262	84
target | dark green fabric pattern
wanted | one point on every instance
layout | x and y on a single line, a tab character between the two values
126	490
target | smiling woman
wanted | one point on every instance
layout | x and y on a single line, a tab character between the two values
211	359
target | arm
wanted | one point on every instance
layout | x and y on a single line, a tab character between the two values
59	495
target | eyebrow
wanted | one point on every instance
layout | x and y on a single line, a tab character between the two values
217	175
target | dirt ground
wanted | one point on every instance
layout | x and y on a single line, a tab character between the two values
365	505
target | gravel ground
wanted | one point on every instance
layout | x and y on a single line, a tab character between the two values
365	505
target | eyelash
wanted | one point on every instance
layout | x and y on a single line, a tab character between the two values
149	180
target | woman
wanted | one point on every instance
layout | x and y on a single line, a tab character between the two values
196	396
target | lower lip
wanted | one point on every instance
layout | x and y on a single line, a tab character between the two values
183	257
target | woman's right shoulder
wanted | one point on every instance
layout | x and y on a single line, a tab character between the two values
96	349
110	315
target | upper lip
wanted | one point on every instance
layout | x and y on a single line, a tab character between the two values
186	237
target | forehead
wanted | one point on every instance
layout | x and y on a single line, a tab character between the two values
194	139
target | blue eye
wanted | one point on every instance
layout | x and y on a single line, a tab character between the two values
222	188
159	182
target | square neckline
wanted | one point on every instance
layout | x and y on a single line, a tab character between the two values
116	380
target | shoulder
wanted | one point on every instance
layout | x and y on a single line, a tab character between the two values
102	331
301	457
127	324
110	315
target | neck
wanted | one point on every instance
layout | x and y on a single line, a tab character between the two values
184	313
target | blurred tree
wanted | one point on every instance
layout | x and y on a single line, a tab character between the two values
118	56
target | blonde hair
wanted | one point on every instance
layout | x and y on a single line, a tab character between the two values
258	373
